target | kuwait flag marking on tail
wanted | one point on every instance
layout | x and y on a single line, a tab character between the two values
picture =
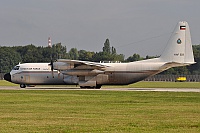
182	27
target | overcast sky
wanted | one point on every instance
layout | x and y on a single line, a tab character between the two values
132	26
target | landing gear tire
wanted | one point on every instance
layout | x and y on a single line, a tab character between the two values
22	86
90	87
82	87
86	87
98	86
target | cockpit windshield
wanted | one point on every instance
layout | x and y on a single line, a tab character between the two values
16	68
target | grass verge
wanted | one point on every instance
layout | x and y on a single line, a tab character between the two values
6	83
98	111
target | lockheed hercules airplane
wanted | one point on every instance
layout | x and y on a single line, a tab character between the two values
178	52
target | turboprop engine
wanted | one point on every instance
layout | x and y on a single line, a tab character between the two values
62	66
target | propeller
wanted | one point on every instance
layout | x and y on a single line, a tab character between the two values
51	65
52	68
51	51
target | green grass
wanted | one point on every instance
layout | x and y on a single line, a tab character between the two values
65	111
6	83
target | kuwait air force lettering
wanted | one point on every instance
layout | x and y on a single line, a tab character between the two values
178	52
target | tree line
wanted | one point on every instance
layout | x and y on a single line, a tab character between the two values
11	56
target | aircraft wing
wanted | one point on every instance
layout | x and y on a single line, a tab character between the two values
79	68
84	64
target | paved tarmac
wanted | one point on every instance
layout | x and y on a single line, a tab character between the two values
102	89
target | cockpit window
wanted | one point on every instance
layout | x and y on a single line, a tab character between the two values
16	68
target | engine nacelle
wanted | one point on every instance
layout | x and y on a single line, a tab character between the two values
62	66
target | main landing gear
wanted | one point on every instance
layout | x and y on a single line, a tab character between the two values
91	87
22	86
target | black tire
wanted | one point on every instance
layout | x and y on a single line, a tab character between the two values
22	86
82	87
98	87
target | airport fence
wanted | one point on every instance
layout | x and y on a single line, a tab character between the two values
173	78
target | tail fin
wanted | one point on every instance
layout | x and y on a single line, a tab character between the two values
179	47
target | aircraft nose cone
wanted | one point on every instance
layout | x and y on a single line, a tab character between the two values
7	77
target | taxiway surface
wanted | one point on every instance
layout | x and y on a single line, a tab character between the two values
103	89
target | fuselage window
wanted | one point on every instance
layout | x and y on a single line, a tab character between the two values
36	68
16	68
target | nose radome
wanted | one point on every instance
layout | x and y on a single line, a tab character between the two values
7	77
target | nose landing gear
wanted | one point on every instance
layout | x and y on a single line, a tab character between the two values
22	86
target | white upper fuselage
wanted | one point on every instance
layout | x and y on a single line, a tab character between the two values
35	73
30	67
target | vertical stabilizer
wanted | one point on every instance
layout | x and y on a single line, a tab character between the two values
179	47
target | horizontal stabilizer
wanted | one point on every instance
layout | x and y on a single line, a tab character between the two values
172	64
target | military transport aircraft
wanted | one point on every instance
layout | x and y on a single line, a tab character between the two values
178	52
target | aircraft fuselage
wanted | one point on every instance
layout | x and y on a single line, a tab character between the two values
116	74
